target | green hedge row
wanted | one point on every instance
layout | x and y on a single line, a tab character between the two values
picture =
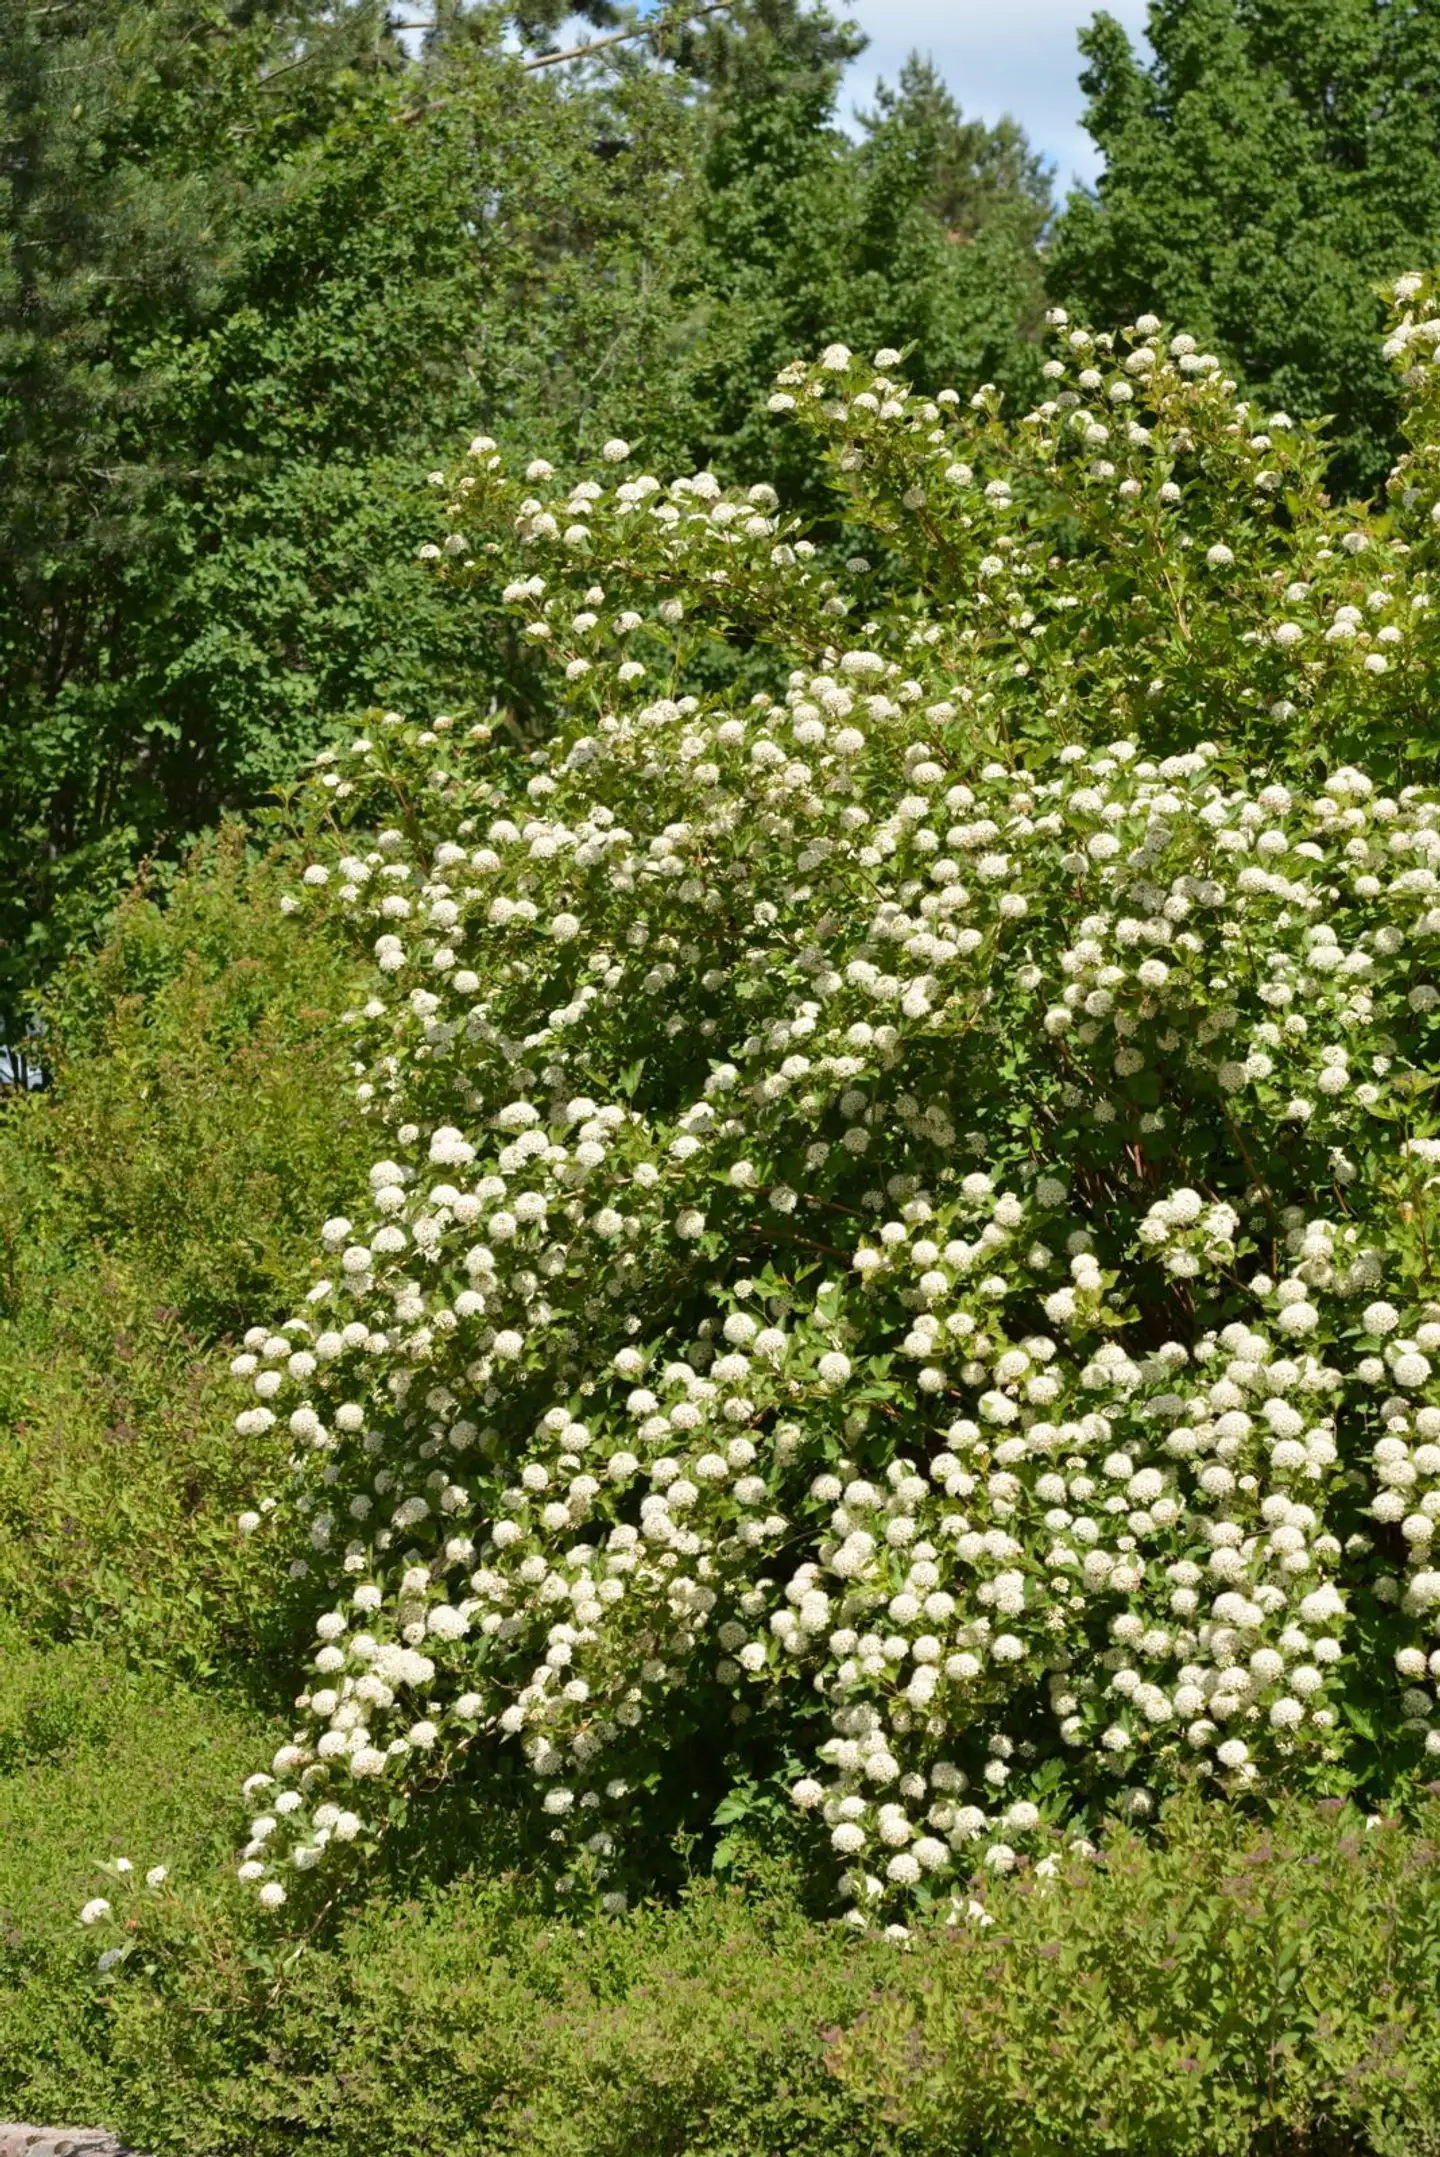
1238	1986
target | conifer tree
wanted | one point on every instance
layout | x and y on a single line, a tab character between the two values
1273	163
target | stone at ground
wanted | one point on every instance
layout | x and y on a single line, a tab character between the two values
60	2142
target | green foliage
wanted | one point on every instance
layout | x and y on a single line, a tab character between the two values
216	487
711	960
1131	546
1225	1989
118	206
695	2029
55	1701
95	1758
1273	161
1219	1989
456	2015
215	474
187	1125
924	237
163	1182
114	1497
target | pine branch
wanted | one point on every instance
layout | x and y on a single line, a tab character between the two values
654	30
580	52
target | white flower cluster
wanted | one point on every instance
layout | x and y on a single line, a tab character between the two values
869	1230
100	1910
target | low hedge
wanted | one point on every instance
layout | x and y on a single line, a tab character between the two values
1234	1984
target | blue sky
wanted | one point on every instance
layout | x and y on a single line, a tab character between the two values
1016	56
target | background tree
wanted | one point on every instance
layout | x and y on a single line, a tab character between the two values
1274	162
954	213
267	264
925	233
251	273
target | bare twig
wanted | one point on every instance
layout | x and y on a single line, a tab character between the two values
580	52
652	30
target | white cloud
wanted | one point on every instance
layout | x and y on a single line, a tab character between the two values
997	56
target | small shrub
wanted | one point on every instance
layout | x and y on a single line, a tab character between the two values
168	1175
52	1702
115	1497
1219	1988
465	2019
1229	1987
190	1123
96	1762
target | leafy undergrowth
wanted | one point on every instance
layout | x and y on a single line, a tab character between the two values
1230	1985
163	1183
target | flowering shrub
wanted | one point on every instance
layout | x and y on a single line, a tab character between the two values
908	1192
